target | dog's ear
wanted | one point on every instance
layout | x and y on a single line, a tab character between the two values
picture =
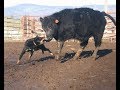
32	31
56	21
37	36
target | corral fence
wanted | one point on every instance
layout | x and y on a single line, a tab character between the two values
14	33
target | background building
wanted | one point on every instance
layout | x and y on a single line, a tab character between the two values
29	23
19	28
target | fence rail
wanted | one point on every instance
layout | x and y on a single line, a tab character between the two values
24	34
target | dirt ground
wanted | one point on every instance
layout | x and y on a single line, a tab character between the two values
43	72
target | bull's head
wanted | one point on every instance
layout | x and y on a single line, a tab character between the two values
49	25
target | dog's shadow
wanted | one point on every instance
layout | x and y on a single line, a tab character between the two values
86	54
46	58
41	59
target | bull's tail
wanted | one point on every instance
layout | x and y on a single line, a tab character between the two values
105	14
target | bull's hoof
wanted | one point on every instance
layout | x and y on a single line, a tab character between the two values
57	59
94	58
75	58
29	61
33	63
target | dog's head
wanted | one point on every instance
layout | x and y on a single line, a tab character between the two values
39	40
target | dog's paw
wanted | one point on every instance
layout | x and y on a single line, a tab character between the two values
18	62
52	54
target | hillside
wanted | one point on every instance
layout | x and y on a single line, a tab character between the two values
38	10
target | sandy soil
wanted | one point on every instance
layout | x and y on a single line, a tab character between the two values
43	72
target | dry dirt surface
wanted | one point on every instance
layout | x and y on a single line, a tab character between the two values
43	72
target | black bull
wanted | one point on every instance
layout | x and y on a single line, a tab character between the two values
78	23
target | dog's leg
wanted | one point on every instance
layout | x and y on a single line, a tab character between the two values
46	49
42	51
30	55
21	55
43	48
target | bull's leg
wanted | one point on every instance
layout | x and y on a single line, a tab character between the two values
97	45
82	47
78	53
97	40
60	46
94	55
21	55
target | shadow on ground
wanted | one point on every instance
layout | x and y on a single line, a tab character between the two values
86	54
70	55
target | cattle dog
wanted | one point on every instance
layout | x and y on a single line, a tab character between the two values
32	45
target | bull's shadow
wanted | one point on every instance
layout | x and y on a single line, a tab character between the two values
86	54
70	55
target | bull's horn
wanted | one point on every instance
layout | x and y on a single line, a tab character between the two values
56	21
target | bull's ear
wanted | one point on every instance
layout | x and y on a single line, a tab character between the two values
56	21
41	19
